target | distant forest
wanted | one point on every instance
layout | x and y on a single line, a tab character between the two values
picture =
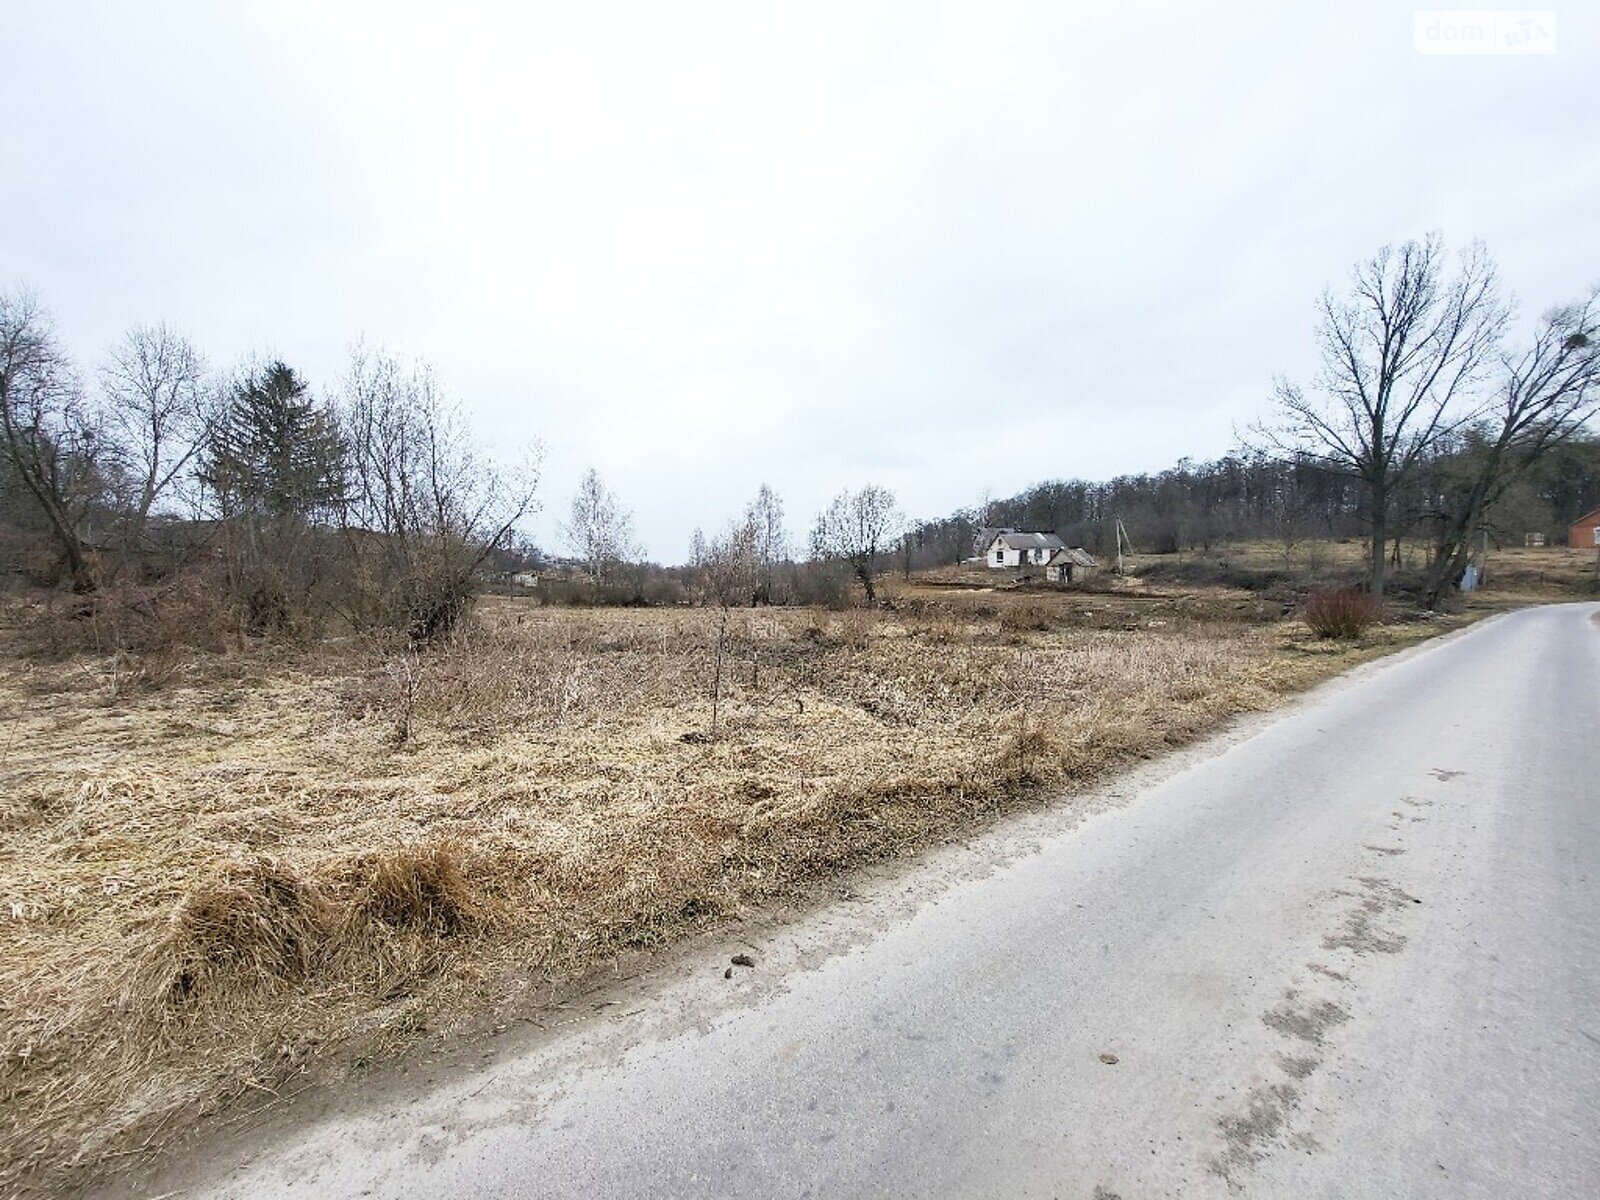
1199	506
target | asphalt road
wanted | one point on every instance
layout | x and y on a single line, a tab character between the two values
1355	953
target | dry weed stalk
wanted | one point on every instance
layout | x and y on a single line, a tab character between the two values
405	680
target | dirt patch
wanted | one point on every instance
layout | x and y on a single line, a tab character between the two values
1298	1066
1361	932
1307	1023
1246	1135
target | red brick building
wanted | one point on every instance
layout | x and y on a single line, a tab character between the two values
1583	535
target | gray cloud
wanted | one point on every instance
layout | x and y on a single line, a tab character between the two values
947	248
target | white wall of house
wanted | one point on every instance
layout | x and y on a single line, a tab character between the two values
1000	555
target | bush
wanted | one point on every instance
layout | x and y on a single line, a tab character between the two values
820	585
1018	619
1341	613
134	622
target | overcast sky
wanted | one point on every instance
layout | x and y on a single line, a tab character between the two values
946	248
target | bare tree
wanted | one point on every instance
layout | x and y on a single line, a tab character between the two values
1402	355
909	544
728	566
856	527
50	441
1546	395
415	479
727	569
156	406
599	529
1287	506
769	541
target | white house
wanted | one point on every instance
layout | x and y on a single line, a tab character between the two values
1060	562
1013	548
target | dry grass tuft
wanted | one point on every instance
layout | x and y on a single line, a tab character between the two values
418	887
257	925
1027	617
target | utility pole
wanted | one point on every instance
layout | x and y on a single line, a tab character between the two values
1122	536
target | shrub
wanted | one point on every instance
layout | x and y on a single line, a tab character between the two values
1018	619
132	621
1340	613
820	585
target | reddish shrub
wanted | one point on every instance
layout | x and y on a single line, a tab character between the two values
1341	613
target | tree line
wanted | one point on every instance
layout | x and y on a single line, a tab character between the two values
1291	500
373	505
1427	418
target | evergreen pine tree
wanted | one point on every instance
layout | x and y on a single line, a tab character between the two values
276	453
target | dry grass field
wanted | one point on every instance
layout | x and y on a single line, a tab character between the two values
1516	574
221	871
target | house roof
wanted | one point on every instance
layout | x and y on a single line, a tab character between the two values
1587	518
1076	555
1014	540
